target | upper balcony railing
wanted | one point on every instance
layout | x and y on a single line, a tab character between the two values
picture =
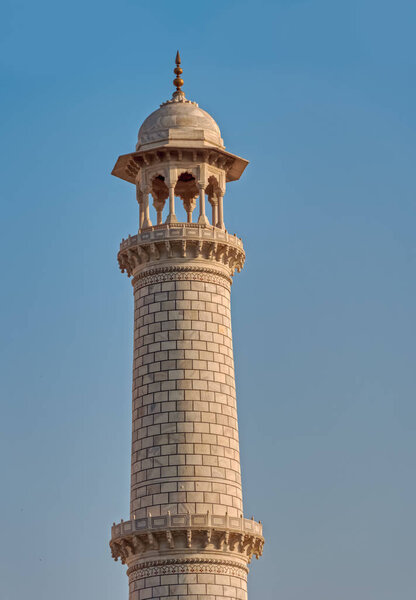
179	231
191	521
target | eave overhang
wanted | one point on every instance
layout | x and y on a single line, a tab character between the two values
128	166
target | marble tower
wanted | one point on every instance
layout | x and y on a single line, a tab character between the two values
187	538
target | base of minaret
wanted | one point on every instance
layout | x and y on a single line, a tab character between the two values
187	556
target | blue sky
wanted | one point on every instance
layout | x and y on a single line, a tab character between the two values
319	96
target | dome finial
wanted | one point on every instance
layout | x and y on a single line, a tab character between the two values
178	81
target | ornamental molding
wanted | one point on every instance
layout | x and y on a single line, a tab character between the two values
185	566
130	166
178	273
132	540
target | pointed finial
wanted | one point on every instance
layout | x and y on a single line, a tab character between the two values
178	81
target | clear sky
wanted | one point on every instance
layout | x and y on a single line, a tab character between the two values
320	97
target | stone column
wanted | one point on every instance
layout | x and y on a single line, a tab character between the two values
203	219
146	209
139	198
214	206
159	205
220	223
171	218
189	205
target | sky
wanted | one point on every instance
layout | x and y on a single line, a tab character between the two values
319	96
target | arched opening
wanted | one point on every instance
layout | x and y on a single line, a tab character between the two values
187	190
160	193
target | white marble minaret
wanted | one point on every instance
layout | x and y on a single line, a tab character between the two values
187	537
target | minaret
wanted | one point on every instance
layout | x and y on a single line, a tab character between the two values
187	536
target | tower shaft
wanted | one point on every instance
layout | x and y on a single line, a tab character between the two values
185	454
187	538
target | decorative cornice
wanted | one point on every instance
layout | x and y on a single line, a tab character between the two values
170	245
184	533
128	166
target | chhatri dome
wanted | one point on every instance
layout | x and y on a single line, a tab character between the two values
180	154
179	121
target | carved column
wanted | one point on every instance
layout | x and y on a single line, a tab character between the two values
214	206
139	198
146	210
159	205
220	222
189	205
171	218
203	219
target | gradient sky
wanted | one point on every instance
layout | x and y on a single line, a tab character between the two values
320	96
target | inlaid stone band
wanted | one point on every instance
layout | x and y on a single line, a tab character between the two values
188	566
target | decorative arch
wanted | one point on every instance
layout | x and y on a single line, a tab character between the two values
160	193
187	189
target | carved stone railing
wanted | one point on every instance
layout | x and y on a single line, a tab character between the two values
176	230
185	533
181	242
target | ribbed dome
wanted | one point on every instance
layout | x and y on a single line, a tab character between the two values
179	123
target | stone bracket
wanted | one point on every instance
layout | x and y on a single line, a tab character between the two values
235	535
164	243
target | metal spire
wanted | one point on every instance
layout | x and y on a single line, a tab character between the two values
178	81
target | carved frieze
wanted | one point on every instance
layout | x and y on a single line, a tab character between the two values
186	565
180	273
